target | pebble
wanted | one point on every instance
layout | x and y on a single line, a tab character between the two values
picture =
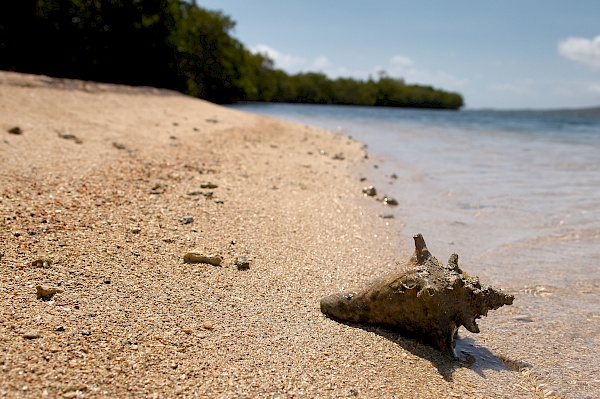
208	185
157	189
15	130
41	262
242	263
32	334
370	191
389	201
59	328
70	136
207	194
208	325
187	219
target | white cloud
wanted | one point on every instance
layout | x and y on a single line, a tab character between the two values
321	63
283	61
401	60
593	88
293	63
405	68
400	66
580	49
522	88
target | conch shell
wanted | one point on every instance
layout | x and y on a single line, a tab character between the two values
424	299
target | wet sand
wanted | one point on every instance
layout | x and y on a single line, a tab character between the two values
106	183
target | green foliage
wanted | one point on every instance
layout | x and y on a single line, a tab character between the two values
316	88
108	40
175	44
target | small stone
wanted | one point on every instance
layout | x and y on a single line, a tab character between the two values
32	334
118	146
219	201
157	188
187	219
86	333
389	201
66	136
15	130
208	185
46	292
106	281
338	157
387	216
136	230
242	263
59	328
197	256
70	136
208	325
370	191
41	262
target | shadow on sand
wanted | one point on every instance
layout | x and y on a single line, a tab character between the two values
476	358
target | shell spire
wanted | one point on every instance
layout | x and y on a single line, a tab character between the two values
421	252
423	299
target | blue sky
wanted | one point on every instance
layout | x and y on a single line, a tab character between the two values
498	54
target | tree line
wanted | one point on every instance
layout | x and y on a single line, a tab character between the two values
178	45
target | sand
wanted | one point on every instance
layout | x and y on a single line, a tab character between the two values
105	183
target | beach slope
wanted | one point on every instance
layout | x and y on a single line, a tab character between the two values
105	188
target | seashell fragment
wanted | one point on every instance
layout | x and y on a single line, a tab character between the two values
46	292
424	299
197	256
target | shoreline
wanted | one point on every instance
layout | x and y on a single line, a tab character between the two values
103	181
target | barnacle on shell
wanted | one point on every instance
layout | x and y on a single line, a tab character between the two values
424	299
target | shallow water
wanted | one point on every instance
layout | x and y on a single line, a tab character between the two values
517	196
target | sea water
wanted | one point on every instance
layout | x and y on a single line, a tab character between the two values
516	194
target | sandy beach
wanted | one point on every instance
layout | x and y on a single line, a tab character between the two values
104	188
